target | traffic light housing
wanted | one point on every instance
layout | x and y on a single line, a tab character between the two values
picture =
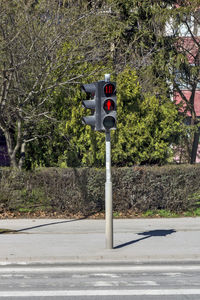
108	106
91	90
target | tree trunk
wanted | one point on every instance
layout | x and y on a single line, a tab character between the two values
22	156
13	148
194	147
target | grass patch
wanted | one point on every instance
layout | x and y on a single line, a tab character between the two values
168	214
116	214
194	210
162	213
192	213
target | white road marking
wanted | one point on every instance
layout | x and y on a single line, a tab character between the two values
100	269
144	282
101	283
109	275
71	293
80	276
172	274
137	283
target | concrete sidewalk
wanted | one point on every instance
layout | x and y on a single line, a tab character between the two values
83	241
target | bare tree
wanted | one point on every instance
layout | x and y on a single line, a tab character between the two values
186	67
33	35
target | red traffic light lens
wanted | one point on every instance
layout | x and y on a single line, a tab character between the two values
109	105
109	89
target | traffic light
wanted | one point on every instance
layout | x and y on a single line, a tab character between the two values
92	90
108	105
103	105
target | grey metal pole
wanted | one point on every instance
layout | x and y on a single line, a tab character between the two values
108	195
107	77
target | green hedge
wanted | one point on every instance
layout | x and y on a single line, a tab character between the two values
72	191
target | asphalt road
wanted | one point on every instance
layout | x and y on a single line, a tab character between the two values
111	281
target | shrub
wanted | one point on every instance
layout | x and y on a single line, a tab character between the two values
137	189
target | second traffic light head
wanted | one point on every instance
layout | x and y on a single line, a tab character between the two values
91	90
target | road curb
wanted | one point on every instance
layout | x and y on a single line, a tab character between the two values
97	261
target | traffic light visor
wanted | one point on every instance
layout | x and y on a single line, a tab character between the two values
89	89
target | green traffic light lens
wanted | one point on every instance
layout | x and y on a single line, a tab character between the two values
109	122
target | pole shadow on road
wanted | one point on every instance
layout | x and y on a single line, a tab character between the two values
148	234
42	225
